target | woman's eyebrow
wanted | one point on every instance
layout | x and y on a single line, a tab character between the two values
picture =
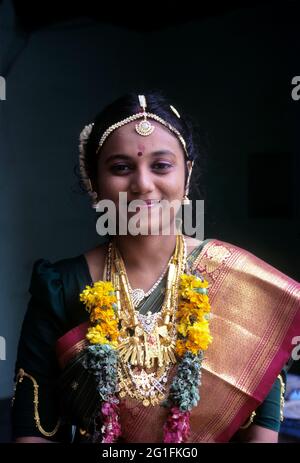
162	152
117	156
127	157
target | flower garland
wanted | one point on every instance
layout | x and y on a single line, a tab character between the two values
193	337
102	358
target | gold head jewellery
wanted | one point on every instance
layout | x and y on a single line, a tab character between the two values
175	111
145	127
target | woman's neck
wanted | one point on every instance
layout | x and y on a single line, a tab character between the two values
145	251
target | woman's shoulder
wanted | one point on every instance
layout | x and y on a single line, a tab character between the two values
47	269
192	243
55	287
52	275
220	258
195	247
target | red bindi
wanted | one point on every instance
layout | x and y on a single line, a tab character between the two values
140	153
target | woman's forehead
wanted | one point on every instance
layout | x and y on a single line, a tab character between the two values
127	139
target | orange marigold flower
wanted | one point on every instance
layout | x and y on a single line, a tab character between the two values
180	347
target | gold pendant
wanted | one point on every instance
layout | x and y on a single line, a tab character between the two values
144	128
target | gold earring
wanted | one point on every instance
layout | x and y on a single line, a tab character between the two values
185	200
96	202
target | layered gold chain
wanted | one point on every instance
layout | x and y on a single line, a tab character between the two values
147	342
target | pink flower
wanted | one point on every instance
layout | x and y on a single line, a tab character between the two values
111	424
177	426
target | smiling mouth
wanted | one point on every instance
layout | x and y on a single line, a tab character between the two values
146	202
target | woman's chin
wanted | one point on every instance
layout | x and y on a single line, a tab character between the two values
151	227
148	221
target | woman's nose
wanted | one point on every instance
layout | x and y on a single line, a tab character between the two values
141	182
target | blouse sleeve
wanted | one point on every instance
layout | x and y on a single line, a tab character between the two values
269	413
36	407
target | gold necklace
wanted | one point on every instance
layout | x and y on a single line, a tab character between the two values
147	342
138	294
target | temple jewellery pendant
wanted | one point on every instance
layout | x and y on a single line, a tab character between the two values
149	387
152	345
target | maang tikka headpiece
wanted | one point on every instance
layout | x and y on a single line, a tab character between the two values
144	128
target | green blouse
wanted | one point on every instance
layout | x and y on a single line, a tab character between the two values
54	309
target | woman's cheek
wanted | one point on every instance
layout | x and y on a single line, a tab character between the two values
174	187
110	186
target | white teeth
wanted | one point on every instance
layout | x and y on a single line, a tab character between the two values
152	201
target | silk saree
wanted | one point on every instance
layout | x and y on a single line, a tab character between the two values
255	320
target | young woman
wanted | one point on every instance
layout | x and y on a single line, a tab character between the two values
120	340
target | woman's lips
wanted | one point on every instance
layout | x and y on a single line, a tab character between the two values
150	203
147	203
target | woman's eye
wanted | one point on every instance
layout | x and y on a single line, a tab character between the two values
162	166
119	168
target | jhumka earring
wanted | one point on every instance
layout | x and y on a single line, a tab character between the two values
93	194
185	200
144	127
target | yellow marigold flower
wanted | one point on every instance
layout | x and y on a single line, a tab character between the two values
95	336
201	300
199	336
193	308
192	348
99	300
186	310
189	313
104	286
190	287
192	281
100	294
108	315
182	328
98	313
180	347
109	329
98	328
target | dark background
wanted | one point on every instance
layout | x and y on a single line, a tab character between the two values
228	65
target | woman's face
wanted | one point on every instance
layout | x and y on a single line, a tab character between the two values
146	168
